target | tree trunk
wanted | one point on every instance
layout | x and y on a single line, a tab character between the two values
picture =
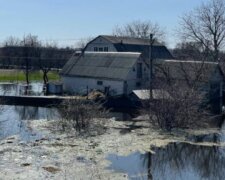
27	71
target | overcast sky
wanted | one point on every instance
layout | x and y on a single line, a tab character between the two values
67	21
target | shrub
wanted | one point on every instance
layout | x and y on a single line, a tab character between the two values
81	116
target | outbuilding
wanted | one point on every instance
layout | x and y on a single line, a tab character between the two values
205	76
114	73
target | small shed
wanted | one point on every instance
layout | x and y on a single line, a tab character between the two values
54	88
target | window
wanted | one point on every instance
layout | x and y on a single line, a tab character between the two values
133	68
99	83
139	70
106	49
138	84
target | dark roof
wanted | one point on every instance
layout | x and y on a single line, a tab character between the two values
158	52
128	40
130	44
187	70
109	65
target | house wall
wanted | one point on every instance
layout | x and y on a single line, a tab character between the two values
135	83
79	85
100	43
216	92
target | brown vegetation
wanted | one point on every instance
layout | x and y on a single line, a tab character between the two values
184	95
81	116
51	169
179	107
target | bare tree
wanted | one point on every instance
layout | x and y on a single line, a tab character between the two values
189	51
140	29
206	25
47	58
183	96
177	107
12	41
29	44
83	42
7	52
30	41
82	116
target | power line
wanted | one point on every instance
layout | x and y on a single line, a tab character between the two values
50	39
32	57
59	42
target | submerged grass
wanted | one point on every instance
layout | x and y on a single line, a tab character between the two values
19	75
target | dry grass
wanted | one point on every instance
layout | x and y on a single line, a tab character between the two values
51	169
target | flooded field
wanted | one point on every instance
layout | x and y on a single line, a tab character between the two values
175	161
128	149
15	89
14	120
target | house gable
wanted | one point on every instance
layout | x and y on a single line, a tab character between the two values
128	44
100	44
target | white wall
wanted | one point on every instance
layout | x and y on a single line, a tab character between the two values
79	85
100	42
132	78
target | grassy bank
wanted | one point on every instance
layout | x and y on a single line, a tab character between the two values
19	75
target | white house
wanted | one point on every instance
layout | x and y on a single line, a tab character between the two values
115	73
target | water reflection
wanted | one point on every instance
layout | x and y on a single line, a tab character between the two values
175	161
14	120
15	89
36	113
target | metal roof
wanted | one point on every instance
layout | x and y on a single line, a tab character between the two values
130	44
187	70
107	65
128	40
158	52
144	94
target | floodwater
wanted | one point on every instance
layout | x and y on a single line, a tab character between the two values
176	161
15	89
14	120
181	161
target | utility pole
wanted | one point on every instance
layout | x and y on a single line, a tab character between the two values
150	64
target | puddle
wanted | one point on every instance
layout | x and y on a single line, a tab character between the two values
177	161
134	165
